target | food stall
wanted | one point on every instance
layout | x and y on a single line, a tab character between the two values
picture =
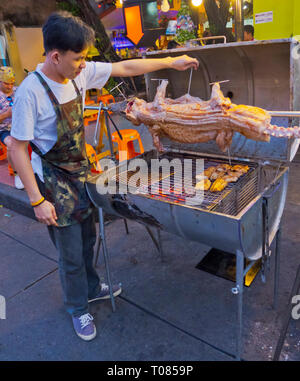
245	219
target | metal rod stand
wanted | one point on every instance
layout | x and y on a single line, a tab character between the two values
101	239
239	293
157	242
126	226
160	246
277	267
265	261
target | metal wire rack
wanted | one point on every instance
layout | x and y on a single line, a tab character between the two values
176	188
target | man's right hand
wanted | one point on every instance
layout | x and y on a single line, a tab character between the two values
46	213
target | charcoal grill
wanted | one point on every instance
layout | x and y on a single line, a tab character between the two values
165	187
245	217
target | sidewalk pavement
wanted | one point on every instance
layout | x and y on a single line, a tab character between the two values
167	311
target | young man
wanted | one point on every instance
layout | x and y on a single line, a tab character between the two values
248	33
48	112
7	95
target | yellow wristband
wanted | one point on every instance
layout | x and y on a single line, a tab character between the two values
38	202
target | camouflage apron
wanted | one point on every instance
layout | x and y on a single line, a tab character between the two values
66	166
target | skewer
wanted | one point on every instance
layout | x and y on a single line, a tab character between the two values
190	81
117	87
288	114
226	80
158	79
229	157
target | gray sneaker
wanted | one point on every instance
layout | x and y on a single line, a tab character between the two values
104	293
84	326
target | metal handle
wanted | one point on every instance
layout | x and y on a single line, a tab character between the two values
287	114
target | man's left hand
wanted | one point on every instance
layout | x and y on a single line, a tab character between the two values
183	63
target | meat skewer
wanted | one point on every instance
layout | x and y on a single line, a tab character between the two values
189	119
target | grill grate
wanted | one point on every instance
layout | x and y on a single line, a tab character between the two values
233	198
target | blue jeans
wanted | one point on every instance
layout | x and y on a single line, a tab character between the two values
75	246
4	134
79	279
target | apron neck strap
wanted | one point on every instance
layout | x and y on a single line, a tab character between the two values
76	88
50	92
47	88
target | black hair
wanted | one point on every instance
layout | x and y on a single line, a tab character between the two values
63	31
249	29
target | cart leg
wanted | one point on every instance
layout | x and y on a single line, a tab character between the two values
264	238
97	250
157	242
126	226
239	292
162	257
277	266
105	254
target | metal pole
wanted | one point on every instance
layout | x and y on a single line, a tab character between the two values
98	249
126	226
160	245
157	242
239	20
152	237
105	254
239	287
277	266
265	240
288	114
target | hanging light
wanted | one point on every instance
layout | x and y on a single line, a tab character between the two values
196	3
165	6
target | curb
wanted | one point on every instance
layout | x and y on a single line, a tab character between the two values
16	200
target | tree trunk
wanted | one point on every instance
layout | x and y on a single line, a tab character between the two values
217	17
102	42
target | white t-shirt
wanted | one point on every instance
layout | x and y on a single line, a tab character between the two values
33	115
